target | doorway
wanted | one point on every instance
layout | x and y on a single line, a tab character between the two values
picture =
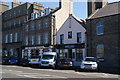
70	53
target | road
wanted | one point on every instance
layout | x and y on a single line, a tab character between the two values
12	71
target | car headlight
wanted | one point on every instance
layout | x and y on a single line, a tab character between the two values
9	61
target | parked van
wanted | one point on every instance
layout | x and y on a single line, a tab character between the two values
48	59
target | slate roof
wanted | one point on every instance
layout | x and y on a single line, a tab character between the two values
107	10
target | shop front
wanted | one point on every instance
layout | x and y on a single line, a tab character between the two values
76	52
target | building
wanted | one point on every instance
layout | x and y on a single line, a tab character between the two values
13	20
41	29
103	34
71	40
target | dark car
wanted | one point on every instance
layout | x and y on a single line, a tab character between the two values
25	62
65	63
13	60
5	60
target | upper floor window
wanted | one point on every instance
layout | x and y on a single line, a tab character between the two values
46	38
46	23
16	37
39	39
32	40
14	13
62	39
79	37
19	11
19	22
100	50
6	38
38	25
24	19
32	26
69	34
26	40
11	38
100	28
27	28
14	23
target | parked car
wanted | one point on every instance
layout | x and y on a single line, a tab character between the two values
25	62
48	59
13	60
65	63
89	63
5	60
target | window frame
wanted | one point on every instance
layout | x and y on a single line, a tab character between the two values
70	36
100	28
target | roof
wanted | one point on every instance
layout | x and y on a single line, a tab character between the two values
107	10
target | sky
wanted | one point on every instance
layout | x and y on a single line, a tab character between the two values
79	7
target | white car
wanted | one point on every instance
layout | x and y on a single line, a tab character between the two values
89	63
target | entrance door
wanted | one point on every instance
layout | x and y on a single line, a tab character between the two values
70	53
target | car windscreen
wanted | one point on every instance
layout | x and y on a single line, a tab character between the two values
35	56
47	57
65	60
91	59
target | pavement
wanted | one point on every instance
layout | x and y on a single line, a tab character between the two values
12	72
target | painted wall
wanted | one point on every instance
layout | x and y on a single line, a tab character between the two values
75	28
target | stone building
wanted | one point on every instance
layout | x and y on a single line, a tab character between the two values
103	32
3	7
41	29
13	20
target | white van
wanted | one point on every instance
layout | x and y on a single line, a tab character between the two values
48	59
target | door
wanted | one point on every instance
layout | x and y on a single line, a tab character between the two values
70	53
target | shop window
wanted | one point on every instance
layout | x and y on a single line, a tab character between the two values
79	54
62	39
70	35
100	51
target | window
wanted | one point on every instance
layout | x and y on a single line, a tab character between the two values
70	35
39	39
38	25
6	38
10	38
14	13
79	54
26	28
32	26
32	40
19	22
16	37
46	38
24	19
14	23
26	40
62	39
100	50
100	30
19	11
46	23
79	37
